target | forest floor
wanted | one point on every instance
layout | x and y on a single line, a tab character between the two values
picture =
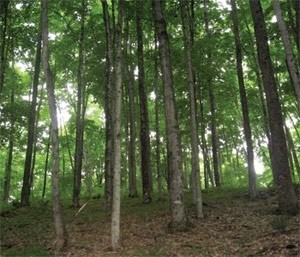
232	226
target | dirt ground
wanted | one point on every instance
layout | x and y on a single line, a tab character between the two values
232	226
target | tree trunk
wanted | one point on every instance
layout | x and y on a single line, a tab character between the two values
293	151
243	97
46	166
7	174
297	10
108	108
179	219
80	112
280	165
157	129
214	136
291	62
205	151
3	50
132	118
255	67
193	116
27	179
60	229
116	201
144	117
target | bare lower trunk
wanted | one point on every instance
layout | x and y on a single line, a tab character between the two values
60	230
7	175
280	165
80	112
116	201
197	195
144	117
243	97
108	109
179	219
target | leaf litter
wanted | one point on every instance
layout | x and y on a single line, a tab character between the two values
235	227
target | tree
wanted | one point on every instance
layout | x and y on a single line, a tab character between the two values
144	119
178	215
213	125
7	176
80	111
290	59
286	194
244	103
108	106
157	129
27	178
197	196
3	50
132	116
60	229
116	201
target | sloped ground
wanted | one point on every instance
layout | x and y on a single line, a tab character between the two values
233	226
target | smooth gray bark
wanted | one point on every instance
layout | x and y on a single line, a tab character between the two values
178	215
286	194
244	102
108	107
290	58
197	195
60	229
116	201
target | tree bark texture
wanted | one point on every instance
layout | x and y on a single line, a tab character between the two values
27	177
244	102
80	113
116	201
290	58
108	170
132	117
179	219
280	165
193	114
60	229
157	129
3	50
144	116
8	164
213	126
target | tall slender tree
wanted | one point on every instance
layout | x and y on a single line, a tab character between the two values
8	164
179	218
197	196
4	10
129	75
80	111
60	229
213	125
32	118
244	102
290	58
144	116
108	106
280	165
157	129
116	201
